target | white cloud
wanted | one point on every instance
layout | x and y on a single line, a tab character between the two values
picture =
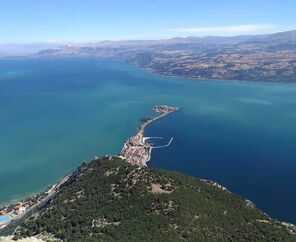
224	30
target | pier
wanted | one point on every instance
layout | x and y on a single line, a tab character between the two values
163	146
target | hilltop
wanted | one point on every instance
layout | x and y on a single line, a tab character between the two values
107	199
269	58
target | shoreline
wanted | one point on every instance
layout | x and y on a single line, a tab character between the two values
17	208
150	70
46	195
192	78
167	75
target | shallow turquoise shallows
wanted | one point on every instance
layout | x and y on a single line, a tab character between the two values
56	113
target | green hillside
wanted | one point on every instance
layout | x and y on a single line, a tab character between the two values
109	200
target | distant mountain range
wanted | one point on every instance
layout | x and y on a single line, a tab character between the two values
24	49
252	58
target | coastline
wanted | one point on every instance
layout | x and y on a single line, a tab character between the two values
150	70
192	78
16	209
163	123
19	207
51	191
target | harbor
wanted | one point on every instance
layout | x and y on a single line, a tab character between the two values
137	150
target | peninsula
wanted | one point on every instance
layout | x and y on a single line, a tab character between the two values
136	150
117	198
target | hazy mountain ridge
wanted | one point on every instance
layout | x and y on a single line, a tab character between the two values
24	49
252	58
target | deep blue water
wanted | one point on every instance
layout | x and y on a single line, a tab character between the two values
255	162
56	113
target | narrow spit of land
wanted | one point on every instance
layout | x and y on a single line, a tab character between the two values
136	150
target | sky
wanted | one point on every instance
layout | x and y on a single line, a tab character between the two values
69	21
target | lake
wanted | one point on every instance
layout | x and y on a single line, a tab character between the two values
56	113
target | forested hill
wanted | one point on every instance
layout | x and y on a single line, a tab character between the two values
109	200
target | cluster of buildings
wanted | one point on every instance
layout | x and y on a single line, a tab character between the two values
165	109
12	211
16	210
136	150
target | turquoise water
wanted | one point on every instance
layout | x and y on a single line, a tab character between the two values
4	218
56	113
